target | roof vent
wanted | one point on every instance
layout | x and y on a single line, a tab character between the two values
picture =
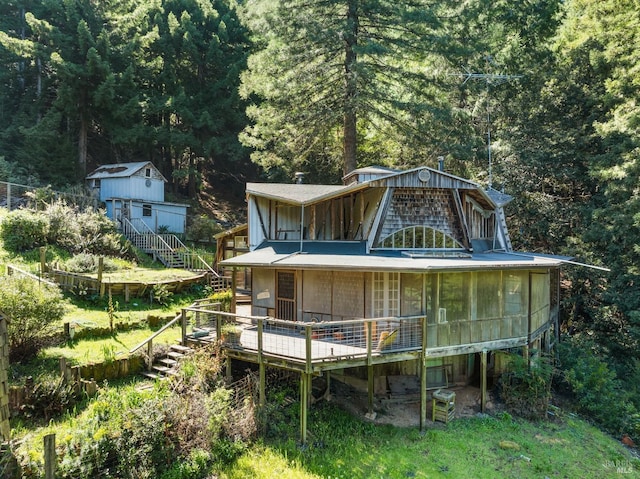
299	177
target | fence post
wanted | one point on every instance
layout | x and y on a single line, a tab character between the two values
9	196
43	260
50	458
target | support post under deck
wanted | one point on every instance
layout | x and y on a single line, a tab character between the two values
483	381
305	379
370	389
423	377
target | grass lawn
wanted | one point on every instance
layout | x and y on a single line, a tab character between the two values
100	349
344	447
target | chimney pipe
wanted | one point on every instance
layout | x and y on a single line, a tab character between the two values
299	177
441	163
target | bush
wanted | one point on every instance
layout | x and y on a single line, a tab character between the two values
203	228
63	229
22	230
88	263
224	298
526	389
49	397
32	308
599	394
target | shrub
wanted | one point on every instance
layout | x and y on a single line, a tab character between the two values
203	228
32	308
49	397
599	393
22	230
98	235
88	263
526	389
63	229
224	298
161	295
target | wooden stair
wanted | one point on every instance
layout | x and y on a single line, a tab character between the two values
167	366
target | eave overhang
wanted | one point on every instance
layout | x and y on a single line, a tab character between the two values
315	255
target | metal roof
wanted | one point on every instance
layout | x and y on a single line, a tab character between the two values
121	170
352	256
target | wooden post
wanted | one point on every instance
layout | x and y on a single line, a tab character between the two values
5	427
50	458
43	260
100	268
183	325
370	389
423	376
304	405
234	289
9	196
149	355
262	369
483	381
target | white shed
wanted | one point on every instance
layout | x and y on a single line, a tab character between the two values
136	191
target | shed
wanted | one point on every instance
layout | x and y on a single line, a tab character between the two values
136	191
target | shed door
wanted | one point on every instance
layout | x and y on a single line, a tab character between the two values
286	295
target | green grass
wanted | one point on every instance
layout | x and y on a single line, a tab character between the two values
94	350
344	447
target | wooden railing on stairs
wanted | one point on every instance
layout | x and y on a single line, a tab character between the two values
166	248
180	317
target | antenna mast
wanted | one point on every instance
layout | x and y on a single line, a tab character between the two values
490	79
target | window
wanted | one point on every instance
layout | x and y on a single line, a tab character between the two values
147	172
386	294
146	210
96	183
419	237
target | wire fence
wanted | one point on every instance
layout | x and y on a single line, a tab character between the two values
305	341
14	196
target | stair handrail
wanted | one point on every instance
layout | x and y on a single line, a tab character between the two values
159	247
163	245
157	333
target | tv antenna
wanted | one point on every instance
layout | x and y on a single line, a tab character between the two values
490	79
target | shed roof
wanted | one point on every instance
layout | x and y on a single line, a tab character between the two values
352	256
121	170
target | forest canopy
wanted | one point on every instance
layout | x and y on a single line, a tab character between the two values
541	100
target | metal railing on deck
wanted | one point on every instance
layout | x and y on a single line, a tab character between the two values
307	341
318	341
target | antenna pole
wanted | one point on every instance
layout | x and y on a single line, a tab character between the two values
489	78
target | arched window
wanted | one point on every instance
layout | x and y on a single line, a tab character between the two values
419	237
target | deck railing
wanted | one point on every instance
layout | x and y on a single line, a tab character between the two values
317	341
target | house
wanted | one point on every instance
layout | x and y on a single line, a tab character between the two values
393	273
136	191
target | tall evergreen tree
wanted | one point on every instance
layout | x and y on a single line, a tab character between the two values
353	70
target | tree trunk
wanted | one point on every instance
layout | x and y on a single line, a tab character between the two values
82	144
351	89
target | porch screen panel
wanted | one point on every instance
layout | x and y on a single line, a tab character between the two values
515	298
488	290
263	285
348	296
412	292
454	297
539	300
316	293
